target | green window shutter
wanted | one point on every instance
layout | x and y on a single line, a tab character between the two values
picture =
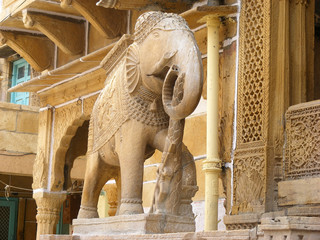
8	218
20	74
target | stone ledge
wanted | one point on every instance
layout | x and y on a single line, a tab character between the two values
290	223
215	235
133	224
18	107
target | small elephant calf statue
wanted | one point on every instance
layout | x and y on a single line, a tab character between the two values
151	87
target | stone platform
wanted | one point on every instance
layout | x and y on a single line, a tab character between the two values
215	235
273	226
133	224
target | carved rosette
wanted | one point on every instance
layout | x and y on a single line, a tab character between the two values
303	141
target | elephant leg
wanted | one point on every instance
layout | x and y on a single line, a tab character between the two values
131	156
97	174
118	183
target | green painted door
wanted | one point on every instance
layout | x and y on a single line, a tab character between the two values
8	218
20	74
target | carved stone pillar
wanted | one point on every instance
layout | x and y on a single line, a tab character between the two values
48	207
251	156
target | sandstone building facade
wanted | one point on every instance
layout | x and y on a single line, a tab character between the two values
268	109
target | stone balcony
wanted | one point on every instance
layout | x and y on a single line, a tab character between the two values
18	138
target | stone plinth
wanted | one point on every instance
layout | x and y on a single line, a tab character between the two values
215	235
290	227
133	224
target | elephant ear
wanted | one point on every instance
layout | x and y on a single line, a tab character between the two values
132	67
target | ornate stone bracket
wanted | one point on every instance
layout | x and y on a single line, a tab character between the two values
37	50
67	34
146	4
108	22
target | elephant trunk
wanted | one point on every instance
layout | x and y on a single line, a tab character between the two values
183	83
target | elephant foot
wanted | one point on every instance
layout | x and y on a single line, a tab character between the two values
88	212
130	206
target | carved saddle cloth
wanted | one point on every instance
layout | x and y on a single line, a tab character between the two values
115	106
109	112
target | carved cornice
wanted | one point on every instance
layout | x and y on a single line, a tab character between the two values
67	34
36	50
109	22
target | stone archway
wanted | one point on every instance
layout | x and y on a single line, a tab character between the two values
76	133
77	148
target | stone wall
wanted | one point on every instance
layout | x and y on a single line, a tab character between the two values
18	138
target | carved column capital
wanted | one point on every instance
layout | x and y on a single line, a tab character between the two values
48	209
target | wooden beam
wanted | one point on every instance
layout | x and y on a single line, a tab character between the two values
68	34
36	50
110	23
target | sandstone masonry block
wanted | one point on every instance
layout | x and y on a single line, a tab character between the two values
8	120
18	142
298	192
27	122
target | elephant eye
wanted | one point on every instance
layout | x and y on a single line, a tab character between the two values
156	34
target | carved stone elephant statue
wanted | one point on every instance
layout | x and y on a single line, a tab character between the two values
131	116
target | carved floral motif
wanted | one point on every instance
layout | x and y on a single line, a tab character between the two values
249	186
303	141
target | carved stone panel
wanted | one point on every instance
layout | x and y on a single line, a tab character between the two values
253	71
249	183
303	141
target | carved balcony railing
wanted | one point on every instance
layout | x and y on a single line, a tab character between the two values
302	148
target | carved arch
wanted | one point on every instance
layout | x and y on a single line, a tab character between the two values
67	121
57	179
